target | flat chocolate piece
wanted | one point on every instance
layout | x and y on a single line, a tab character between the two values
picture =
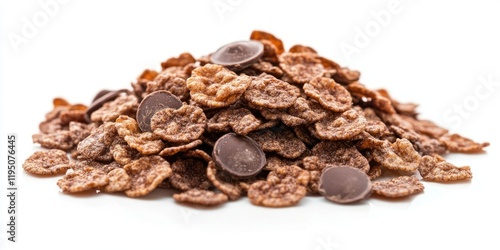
342	184
152	103
239	155
100	98
238	55
100	94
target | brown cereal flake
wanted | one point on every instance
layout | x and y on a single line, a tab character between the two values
373	98
282	142
200	154
269	92
340	126
346	76
301	67
172	149
169	82
241	121
182	125
329	64
308	110
245	183
270	52
405	109
105	167
73	154
182	60
313	185
342	75
98	143
62	113
153	86
374	125
426	127
335	153
457	143
408	134
146	174
376	128
313	163
178	71
214	86
434	168
399	155
139	88
201	197
119	181
367	142
57	140
223	182
288	174
265	124
147	74
146	143
328	93
393	119
263	193
189	173
50	162
298	48
375	171
287	119
422	143
79	131
398	187
262	35
111	166
123	153
126	125
73	115
165	184
59	102
122	105
51	126
266	67
82	180
368	113
303	134
429	146
275	161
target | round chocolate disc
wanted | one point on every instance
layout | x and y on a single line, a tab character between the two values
238	55
152	103
344	184
100	98
239	155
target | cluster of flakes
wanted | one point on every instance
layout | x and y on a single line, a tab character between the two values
305	111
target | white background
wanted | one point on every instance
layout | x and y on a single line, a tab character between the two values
426	52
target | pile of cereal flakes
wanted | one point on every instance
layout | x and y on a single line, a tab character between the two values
304	112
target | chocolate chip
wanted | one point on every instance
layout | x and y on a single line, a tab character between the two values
100	98
152	103
100	94
238	55
239	155
342	184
